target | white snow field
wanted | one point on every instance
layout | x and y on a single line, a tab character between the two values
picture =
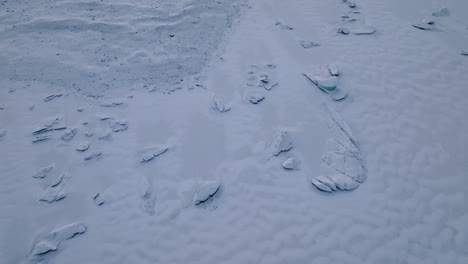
185	131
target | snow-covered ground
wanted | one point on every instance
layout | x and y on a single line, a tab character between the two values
249	131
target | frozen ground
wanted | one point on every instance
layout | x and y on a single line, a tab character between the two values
186	132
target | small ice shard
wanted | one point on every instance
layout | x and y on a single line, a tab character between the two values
309	44
441	12
206	191
69	134
152	153
112	103
42	173
290	164
219	105
256	98
41	138
364	30
343	30
98	199
94	155
52	240
281	143
82	147
3	133
327	181
53	194
333	69
464	52
329	85
57	181
321	186
119	126
52	96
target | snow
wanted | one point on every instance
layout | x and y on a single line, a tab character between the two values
377	177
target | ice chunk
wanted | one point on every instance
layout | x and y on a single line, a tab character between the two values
69	134
52	96
52	240
343	30
364	30
41	138
57	181
206	191
343	182
98	199
321	186
256	98
119	126
309	44
441	12
53	194
94	155
327	181
290	164
219	105
425	24
328	85
3	133
333	69
281	143
42	173
82	147
346	165
151	153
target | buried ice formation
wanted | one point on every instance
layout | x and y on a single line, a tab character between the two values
151	153
281	143
42	173
206	191
52	240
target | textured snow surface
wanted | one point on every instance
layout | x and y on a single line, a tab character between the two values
380	175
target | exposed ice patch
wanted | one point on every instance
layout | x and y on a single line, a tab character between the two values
52	240
326	79
43	172
206	191
342	158
281	143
